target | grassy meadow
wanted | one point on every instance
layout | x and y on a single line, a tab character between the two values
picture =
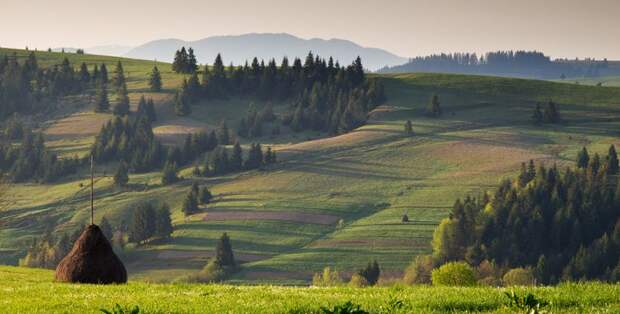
330	201
33	291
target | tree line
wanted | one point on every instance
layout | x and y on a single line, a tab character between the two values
28	88
504	63
31	160
324	95
564	225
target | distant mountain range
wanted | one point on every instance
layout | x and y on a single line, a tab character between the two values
239	48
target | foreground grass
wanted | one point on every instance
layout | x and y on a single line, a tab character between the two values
33	291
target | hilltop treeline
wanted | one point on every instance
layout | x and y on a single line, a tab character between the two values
28	88
565	225
324	95
532	64
31	160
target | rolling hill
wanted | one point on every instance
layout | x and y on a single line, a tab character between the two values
330	201
241	48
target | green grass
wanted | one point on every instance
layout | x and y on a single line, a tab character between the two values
33	291
368	178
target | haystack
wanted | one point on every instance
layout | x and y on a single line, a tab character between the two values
91	260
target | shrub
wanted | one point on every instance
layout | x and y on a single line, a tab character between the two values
488	274
345	308
519	277
453	274
212	272
328	278
358	281
419	272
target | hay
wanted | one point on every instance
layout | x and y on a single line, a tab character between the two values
91	260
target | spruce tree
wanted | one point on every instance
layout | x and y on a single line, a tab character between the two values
205	196
122	101
181	105
434	107
163	223
103	74
155	83
190	203
120	177
236	159
408	128
169	175
537	116
192	64
119	76
612	161
583	158
223	134
102	104
223	252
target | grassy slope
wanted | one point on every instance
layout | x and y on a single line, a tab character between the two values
368	178
33	291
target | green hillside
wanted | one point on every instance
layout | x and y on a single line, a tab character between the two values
33	291
330	201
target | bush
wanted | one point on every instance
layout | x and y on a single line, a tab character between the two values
519	277
419	272
453	274
212	272
328	278
488	274
358	281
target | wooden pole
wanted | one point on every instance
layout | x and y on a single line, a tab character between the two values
92	190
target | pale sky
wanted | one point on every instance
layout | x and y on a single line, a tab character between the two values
560	28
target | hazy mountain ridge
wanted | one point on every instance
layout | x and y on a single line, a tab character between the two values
239	48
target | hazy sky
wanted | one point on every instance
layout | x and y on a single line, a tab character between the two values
561	28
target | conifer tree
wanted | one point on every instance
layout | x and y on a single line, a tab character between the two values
434	108
120	177
84	74
192	64
102	104
181	105
205	196
223	252
103	74
119	76
169	175
122	101
583	158
537	116
612	161
408	128
236	159
163	223
155	83
190	203
143	224
223	134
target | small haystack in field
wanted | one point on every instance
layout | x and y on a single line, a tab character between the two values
91	260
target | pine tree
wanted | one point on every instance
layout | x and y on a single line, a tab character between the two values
223	252
583	159
122	101
143	224
190	203
181	105
434	108
163	223
537	116
84	75
121	178
169	175
106	228
103	74
119	76
192	64
612	161
155	83
205	196
408	128
102	104
236	159
223	135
